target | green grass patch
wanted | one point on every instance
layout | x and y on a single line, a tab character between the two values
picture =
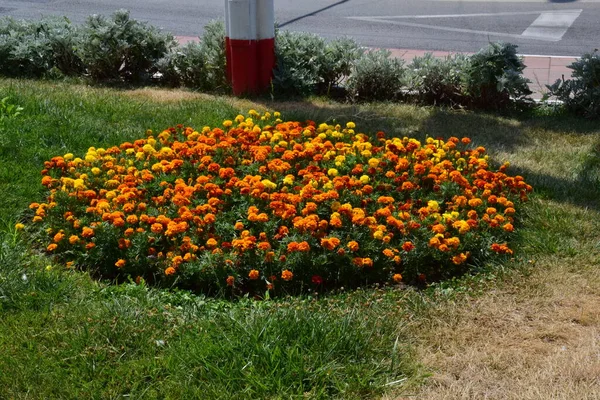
64	335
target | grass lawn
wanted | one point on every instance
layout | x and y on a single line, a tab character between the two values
524	329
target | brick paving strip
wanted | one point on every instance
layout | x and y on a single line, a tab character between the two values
540	70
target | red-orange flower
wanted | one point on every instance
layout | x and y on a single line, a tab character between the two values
287	275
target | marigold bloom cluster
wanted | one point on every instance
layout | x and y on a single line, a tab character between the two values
267	204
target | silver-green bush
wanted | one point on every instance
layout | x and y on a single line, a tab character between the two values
433	80
376	76
121	48
298	67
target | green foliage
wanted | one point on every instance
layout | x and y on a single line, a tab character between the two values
495	76
376	76
198	65
213	47
434	80
33	48
121	48
298	69
8	110
581	95
185	66
336	63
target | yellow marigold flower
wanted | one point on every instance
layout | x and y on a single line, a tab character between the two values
332	172
433	205
19	226
227	123
373	162
365	179
268	184
350	125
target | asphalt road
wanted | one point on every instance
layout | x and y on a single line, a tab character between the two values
544	27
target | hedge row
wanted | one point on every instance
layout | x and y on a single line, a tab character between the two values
120	49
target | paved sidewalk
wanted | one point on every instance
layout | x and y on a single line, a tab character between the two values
541	70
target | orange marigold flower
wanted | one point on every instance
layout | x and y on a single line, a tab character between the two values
156	227
211	243
330	243
120	263
73	239
438	228
476	202
459	258
287	275
367	262
230	280
397	278
353	245
253	274
508	227
52	247
58	237
303	246
238	226
169	271
408	246
292	246
388	253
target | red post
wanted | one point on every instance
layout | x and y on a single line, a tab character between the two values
250	44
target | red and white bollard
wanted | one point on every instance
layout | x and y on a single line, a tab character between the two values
250	43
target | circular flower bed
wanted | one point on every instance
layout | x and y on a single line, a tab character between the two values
283	206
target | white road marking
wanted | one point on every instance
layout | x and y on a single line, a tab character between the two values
550	26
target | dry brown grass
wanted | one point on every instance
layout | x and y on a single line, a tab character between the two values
536	337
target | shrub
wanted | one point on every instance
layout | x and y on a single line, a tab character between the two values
438	80
121	48
33	48
495	75
280	206
336	63
298	55
376	76
198	65
185	66
581	95
213	48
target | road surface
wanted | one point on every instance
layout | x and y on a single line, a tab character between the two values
547	27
